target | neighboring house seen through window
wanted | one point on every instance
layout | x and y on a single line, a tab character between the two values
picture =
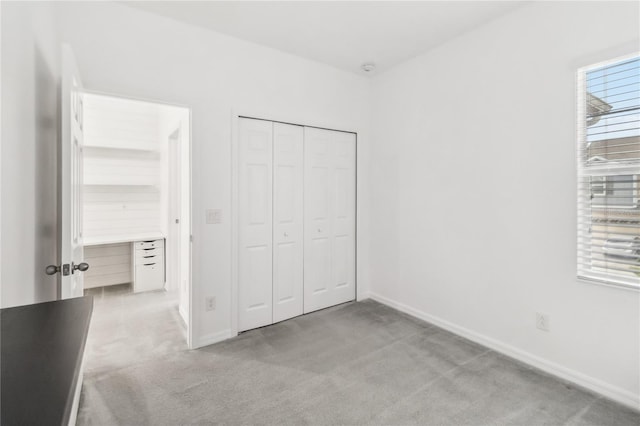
609	172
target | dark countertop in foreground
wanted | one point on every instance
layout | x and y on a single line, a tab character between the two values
41	349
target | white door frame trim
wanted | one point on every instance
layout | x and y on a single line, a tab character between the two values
286	118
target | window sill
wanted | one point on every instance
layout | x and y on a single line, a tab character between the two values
620	286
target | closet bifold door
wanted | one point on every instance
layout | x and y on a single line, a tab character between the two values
329	218
255	159
288	229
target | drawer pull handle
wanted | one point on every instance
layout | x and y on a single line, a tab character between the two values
147	249
149	264
152	241
146	257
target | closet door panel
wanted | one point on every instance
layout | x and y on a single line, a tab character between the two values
317	273
343	217
317	246
288	230
255	268
330	206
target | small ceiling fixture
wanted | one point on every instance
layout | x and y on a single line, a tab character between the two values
368	67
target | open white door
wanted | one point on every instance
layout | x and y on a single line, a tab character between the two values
174	243
70	192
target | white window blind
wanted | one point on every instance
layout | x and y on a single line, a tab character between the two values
609	172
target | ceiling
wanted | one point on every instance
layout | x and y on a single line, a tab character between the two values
343	34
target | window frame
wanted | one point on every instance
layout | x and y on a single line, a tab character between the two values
584	169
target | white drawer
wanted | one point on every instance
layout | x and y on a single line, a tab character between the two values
145	260
149	277
148	244
142	253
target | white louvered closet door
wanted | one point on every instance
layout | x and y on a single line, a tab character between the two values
288	175
329	217
255	243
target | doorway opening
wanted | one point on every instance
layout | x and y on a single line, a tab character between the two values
135	222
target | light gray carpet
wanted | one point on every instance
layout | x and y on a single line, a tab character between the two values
358	363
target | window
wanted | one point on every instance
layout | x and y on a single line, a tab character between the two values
609	172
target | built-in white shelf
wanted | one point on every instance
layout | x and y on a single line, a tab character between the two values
115	181
121	167
143	185
124	171
149	148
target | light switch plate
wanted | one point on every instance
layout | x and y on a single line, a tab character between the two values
214	216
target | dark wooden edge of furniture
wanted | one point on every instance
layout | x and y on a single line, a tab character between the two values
42	348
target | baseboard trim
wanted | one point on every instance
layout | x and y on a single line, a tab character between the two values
363	296
613	392
210	339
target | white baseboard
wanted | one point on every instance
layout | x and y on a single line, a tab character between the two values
364	296
210	339
615	393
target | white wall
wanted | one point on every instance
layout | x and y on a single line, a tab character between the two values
121	50
30	74
473	167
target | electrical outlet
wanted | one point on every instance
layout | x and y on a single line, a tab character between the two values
542	322
213	216
210	303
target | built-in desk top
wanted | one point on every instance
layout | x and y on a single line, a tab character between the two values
114	239
41	347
